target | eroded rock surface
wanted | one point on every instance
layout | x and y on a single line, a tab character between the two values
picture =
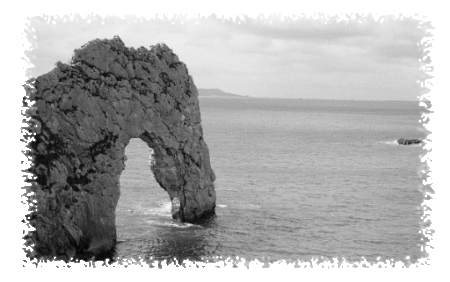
403	141
84	115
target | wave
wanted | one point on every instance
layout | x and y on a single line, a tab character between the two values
221	206
163	209
173	224
395	143
391	142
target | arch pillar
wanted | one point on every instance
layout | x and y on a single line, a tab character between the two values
83	117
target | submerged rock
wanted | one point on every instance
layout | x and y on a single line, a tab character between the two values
84	116
403	141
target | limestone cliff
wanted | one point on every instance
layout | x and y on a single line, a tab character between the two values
84	115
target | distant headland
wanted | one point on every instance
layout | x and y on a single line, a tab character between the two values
217	93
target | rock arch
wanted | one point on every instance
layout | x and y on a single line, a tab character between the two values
84	115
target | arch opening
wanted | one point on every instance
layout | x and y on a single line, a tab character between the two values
142	199
83	118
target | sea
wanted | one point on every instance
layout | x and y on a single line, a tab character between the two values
297	180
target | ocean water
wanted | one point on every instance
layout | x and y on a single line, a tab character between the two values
296	180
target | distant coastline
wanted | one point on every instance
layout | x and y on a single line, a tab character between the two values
217	93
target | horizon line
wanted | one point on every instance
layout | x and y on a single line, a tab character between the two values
289	98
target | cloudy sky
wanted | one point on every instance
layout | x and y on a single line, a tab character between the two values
320	57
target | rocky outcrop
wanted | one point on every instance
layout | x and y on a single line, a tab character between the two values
403	141
84	116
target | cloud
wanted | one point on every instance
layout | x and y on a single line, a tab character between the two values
388	36
259	56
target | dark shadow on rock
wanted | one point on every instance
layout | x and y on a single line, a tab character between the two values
83	117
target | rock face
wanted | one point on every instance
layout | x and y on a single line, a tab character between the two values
84	116
175	208
403	141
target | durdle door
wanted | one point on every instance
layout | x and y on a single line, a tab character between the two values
84	116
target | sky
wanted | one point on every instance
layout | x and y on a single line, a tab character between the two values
273	56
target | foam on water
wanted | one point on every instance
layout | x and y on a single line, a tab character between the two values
395	143
391	142
173	224
163	210
300	179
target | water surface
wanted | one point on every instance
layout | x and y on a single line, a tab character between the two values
296	179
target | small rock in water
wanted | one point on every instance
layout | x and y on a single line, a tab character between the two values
175	208
403	141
